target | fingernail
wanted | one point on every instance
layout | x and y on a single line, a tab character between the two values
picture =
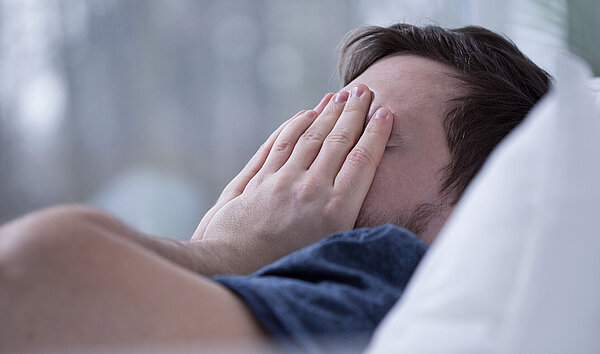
341	97
357	91
381	113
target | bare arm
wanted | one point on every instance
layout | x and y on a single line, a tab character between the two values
306	182
70	278
210	256
73	276
310	184
206	257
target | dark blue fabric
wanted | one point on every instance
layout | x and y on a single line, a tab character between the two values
333	292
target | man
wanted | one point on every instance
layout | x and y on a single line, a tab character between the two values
433	104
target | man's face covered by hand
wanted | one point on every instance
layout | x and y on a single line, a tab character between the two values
317	174
406	187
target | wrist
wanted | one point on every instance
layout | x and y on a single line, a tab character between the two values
220	256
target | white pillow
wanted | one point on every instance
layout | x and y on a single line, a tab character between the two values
517	267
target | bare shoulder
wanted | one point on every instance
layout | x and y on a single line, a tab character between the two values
99	289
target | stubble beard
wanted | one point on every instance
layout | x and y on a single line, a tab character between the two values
416	220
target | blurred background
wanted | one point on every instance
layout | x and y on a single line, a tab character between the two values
147	108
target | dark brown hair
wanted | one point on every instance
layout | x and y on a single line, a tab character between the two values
501	85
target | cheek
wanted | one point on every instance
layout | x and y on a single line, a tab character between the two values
389	189
400	183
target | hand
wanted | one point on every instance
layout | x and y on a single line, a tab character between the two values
311	183
238	184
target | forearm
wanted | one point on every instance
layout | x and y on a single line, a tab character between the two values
206	257
306	182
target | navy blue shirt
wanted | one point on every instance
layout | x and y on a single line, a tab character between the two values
334	293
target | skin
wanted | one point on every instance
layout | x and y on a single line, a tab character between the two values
72	276
409	175
319	178
416	90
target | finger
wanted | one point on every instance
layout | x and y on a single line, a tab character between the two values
286	141
310	142
239	183
344	134
319	108
358	170
199	232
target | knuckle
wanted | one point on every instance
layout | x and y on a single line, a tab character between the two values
303	193
331	210
352	108
312	136
283	145
277	188
332	213
340	137
333	109
307	190
280	185
361	156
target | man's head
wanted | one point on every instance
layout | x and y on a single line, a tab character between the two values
455	95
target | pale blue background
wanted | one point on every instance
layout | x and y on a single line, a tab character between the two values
147	108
